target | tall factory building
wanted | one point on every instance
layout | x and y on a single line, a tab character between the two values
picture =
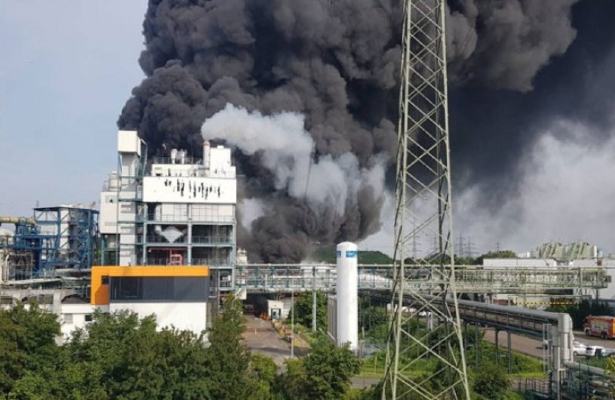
171	210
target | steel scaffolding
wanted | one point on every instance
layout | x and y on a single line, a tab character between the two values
561	282
423	209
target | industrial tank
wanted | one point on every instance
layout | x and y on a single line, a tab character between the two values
347	295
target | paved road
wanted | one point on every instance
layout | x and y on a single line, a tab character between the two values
522	344
532	347
260	337
587	340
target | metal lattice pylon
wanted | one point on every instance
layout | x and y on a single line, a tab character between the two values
425	354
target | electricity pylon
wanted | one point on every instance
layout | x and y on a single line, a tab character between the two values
425	354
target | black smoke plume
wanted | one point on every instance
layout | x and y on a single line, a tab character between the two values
337	63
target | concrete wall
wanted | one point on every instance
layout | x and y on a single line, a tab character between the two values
184	316
74	316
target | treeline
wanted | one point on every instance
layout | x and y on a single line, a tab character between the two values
119	356
579	311
327	254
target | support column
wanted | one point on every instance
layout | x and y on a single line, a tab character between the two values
509	351
314	299
144	260
478	343
188	260
497	347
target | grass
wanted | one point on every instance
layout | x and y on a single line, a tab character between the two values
374	366
523	366
598	362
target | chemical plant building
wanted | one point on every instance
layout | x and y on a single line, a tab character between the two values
55	241
170	210
176	295
552	256
166	242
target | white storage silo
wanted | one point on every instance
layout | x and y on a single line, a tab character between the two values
347	295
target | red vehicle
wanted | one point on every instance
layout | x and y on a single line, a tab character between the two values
601	326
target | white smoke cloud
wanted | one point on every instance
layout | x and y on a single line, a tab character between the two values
250	209
383	239
286	149
566	193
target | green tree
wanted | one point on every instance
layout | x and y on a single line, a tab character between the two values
303	310
323	374
227	357
495	254
263	373
120	356
610	368
579	311
27	343
373	319
491	382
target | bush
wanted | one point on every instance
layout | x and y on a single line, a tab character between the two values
491	382
323	374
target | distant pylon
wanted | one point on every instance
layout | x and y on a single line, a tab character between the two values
469	249
460	249
424	326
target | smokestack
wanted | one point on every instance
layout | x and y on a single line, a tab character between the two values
206	148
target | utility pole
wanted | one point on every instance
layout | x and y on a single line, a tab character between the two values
423	193
314	299
292	321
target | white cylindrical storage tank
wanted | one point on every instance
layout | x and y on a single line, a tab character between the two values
347	288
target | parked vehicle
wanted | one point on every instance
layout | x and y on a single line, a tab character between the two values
608	352
594	351
578	348
600	326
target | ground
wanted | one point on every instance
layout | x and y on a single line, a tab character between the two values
522	344
260	337
532	347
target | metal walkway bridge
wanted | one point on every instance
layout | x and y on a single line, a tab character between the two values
266	278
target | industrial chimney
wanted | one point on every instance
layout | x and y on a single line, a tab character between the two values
206	148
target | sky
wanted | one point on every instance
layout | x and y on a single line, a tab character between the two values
67	68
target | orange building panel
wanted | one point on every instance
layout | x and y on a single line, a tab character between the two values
101	274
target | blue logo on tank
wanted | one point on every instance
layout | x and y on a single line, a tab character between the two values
351	253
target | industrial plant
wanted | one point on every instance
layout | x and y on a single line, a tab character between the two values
170	210
254	160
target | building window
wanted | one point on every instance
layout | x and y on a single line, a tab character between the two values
88	317
126	288
158	289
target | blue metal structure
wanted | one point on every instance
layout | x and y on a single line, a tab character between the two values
61	237
68	238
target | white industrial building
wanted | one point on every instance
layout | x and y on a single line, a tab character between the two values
529	264
170	210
